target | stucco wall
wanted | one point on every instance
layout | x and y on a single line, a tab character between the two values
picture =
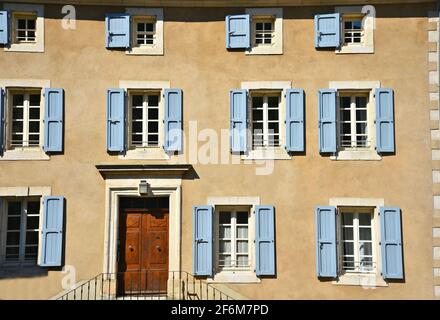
196	60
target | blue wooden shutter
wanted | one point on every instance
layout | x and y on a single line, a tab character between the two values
384	120
326	262
238	109
238	31
52	231
295	120
265	240
116	120
2	122
328	30
202	240
117	30
4	26
173	120
327	120
53	119
391	243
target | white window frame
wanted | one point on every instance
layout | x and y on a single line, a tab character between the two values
364	279
144	20
26	153
269	153
9	193
155	14
277	41
20	9
26	106
141	153
361	87
368	26
235	275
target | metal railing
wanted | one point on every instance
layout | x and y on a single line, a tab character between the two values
145	285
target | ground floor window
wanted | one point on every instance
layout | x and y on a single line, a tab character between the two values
20	223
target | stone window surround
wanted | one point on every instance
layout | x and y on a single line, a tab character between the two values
31	153
31	191
368	23
275	153
358	85
367	280
157	48
277	47
237	276
153	153
38	46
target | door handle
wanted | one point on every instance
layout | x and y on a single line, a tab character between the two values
130	247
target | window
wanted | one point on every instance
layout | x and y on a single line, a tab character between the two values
25	28
233	240
25	115
353	121
144	118
264	31
353	31
145	31
21	225
265	120
356	240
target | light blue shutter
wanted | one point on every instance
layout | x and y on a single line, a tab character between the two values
4	24
52	231
391	243
117	30
116	120
238	30
328	30
238	109
384	120
2	122
53	119
173	120
327	120
203	239
265	240
326	262
295	120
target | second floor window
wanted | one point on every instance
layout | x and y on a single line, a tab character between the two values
144	119
265	120
145	31
264	32
25	118
353	121
353	32
25	28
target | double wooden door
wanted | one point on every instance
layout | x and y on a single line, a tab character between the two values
143	251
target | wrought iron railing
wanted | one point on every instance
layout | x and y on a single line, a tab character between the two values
145	285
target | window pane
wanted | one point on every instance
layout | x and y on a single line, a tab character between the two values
242	232
14	223
361	128
32	237
136	139
273	114
273	127
17	113
257	102
21	23
225	232
13	238
34	113
136	113
32	222
242	246
153	113
34	100
153	127
242	217
268	26
345	115
17	126
348	248
137	126
365	219
225	217
347	219
225	260
153	139
242	261
361	102
21	35
137	100
361	115
259	26
348	263
347	233
225	246
364	233
12	253
347	25
365	249
257	115
153	100
140	27
14	208
345	102
366	264
346	128
31	252
356	24
17	100
34	126
272	102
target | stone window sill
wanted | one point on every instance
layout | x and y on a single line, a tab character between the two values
23	154
364	280
235	277
267	154
145	154
355	49
371	155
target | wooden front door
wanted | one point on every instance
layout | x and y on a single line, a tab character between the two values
143	262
